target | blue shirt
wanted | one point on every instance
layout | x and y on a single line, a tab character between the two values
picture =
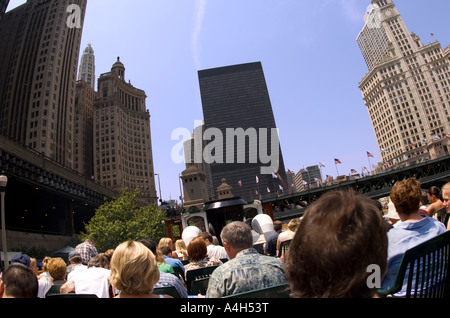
404	236
174	262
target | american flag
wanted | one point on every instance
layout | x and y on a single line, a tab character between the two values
369	155
337	161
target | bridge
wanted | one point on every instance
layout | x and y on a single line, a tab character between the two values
430	173
45	197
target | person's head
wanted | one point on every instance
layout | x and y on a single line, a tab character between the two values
207	237
277	226
180	245
446	196
197	249
75	258
236	237
133	269
340	236
424	200
166	241
44	263
434	194
21	259
151	245
34	266
165	250
57	268
89	241
292	225
19	281
406	196
100	261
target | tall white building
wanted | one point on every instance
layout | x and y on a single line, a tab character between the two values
407	89
87	67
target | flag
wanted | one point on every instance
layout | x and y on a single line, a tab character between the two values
322	165
384	150
256	192
436	138
257	179
353	171
268	190
369	155
337	161
240	183
274	176
291	172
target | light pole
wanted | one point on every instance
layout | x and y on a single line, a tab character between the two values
3	183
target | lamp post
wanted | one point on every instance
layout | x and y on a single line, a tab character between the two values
3	183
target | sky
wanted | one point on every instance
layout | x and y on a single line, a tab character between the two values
308	50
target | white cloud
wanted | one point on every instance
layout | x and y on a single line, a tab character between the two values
199	15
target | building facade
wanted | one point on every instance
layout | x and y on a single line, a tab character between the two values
122	137
38	67
3	6
239	122
83	147
87	67
407	88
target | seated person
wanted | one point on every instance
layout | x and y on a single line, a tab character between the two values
413	228
340	236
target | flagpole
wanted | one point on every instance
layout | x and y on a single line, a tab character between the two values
336	168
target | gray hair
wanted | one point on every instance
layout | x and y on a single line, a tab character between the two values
238	235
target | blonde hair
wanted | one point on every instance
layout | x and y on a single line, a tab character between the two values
180	246
165	241
446	187
133	269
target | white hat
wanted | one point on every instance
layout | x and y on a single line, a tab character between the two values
392	213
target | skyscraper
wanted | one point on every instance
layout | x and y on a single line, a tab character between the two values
3	6
87	67
122	138
85	96
241	131
407	89
38	66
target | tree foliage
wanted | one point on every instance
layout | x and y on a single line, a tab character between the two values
121	220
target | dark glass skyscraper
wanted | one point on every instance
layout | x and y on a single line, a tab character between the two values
238	115
3	6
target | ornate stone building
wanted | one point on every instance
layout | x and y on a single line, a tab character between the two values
407	89
122	137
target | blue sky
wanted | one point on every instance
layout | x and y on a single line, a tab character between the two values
308	50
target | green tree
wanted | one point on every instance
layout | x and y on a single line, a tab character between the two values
121	220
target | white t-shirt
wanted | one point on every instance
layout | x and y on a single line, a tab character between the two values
93	281
75	271
217	251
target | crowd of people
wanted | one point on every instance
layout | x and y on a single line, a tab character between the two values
332	245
